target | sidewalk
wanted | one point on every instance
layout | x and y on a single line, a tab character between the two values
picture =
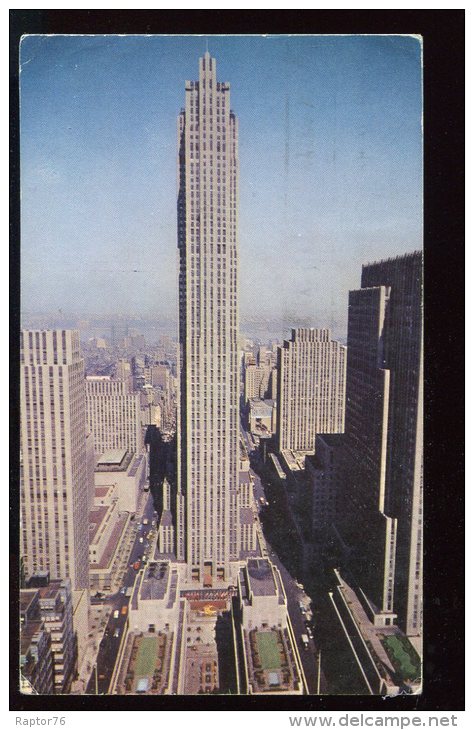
99	616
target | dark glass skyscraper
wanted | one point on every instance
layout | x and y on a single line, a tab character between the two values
381	475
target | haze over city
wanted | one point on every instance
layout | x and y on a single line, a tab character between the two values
330	169
221	485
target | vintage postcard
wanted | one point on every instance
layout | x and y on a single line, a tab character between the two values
221	365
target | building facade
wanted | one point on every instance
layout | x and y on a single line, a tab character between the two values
208	404
381	461
311	388
54	490
256	381
54	602
36	660
322	480
113	415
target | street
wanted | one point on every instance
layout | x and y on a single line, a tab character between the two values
294	595
109	646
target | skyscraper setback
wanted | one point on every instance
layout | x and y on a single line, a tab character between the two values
208	415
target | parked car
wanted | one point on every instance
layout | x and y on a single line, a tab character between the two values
124	610
116	613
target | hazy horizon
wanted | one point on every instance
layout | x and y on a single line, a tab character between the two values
330	168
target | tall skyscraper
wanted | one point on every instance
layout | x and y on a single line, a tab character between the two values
54	491
208	415
381	477
311	388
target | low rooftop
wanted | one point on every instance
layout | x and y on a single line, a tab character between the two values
27	596
155	581
102	491
112	543
290	459
96	516
261	408
262	582
114	460
27	634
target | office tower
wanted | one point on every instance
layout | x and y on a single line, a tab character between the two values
256	381
55	606
208	416
322	482
124	370
36	659
311	388
381	481
113	415
53	470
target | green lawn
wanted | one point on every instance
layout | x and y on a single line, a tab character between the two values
146	656
268	650
403	656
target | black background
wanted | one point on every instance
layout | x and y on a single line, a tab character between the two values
443	53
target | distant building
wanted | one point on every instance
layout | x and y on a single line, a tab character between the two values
256	382
54	489
98	342
113	415
311	388
137	341
272	389
124	372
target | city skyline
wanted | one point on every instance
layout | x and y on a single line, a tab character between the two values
211	549
93	147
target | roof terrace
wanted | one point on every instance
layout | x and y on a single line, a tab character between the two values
271	662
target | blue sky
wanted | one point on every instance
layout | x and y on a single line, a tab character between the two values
330	168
